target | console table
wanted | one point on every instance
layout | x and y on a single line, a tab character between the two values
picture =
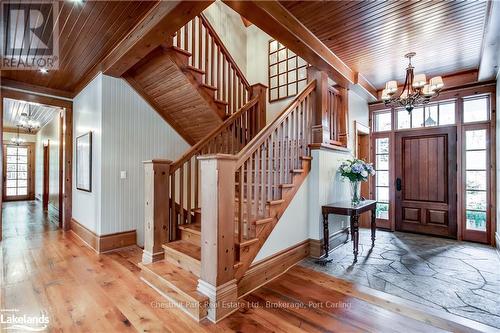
346	208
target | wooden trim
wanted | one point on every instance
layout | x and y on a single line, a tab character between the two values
163	20
327	146
336	239
34	97
21	131
37	89
268	269
103	243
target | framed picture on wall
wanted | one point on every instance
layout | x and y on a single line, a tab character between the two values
84	162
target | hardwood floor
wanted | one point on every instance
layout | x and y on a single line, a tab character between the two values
54	273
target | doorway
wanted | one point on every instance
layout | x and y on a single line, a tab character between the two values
48	177
426	186
19	172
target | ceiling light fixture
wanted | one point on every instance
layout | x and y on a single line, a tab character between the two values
43	70
416	91
17	140
27	122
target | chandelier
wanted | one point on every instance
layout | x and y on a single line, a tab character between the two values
415	91
27	122
17	140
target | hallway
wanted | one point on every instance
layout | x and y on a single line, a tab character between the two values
25	219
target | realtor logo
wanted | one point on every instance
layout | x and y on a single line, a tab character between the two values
30	35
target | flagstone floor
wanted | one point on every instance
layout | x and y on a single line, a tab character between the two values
460	277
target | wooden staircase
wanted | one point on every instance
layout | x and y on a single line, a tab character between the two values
208	214
191	81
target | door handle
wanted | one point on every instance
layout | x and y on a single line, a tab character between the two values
398	184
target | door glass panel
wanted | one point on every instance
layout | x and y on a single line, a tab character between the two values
403	119
382	177
446	114
16	171
417	118
382	121
475	109
475	220
476	181
431	115
475	139
475	160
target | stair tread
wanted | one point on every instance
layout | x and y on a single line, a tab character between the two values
189	67
177	278
178	49
185	247
307	158
208	86
297	170
221	101
195	228
286	185
264	221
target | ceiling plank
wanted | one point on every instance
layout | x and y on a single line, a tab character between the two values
159	23
278	22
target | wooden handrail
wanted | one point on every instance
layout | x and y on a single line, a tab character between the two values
266	131
203	142
223	48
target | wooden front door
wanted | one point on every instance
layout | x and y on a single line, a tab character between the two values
18	172
426	186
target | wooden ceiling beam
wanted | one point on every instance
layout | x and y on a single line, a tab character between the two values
163	20
490	52
35	88
278	22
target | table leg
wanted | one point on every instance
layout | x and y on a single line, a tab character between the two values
326	244
355	234
373	226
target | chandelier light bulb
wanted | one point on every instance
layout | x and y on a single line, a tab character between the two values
436	83
385	95
391	87
427	91
419	81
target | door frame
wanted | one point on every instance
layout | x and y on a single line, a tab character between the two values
65	147
451	182
456	93
31	161
46	175
363	130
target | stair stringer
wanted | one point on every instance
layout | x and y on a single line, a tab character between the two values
250	251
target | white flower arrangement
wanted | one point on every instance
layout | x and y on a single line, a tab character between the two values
356	170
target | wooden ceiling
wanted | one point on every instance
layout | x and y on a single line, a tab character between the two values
12	110
88	31
372	37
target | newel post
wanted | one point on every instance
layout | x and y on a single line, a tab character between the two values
217	234
156	209
260	90
320	127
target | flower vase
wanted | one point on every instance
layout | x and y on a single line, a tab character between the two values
355	192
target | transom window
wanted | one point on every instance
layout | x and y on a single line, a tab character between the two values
437	114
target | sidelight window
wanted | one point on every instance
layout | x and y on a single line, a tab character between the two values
382	177
476	176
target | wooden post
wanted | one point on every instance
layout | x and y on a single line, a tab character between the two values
217	235
68	168
260	90
156	209
344	117
320	128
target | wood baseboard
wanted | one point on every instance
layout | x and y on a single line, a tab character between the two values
336	239
270	268
103	243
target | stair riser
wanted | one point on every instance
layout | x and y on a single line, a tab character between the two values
190	237
183	261
194	308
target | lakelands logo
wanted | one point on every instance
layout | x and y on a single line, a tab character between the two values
30	35
11	319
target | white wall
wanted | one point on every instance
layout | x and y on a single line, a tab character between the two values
132	133
48	133
87	115
257	67
231	30
358	111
